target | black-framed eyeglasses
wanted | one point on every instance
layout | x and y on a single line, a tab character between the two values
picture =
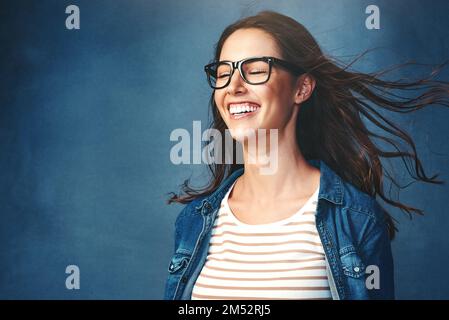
255	70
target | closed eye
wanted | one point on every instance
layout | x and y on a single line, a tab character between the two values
258	72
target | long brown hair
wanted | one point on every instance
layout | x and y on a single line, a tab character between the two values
330	123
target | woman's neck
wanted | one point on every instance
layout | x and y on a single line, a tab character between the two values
293	177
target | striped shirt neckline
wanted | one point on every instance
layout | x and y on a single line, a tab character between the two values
311	201
280	260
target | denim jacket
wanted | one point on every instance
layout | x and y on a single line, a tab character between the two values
350	223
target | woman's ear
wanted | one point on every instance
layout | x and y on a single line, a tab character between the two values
305	87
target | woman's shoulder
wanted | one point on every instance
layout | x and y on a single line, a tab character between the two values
357	201
192	206
349	197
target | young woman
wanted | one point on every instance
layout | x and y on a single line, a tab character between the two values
312	228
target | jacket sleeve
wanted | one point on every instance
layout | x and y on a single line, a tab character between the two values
168	291
378	258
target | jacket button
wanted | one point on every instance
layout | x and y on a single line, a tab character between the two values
356	269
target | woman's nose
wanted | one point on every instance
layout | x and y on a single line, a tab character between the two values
237	84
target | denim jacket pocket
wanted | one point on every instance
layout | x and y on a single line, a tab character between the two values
351	262
179	262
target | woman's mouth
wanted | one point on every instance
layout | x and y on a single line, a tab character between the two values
242	110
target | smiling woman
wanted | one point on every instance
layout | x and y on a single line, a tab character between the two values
312	229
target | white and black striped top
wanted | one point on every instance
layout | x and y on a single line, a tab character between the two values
280	260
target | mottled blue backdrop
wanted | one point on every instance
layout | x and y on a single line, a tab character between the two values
85	120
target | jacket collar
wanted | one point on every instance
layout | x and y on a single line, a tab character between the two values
331	187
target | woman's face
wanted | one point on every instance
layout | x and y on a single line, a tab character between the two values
275	99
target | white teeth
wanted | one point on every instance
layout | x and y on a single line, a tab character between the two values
233	109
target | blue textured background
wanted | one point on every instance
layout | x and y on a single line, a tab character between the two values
85	119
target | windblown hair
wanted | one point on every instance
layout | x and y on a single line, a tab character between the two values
330	124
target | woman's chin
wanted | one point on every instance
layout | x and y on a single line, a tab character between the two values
241	134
